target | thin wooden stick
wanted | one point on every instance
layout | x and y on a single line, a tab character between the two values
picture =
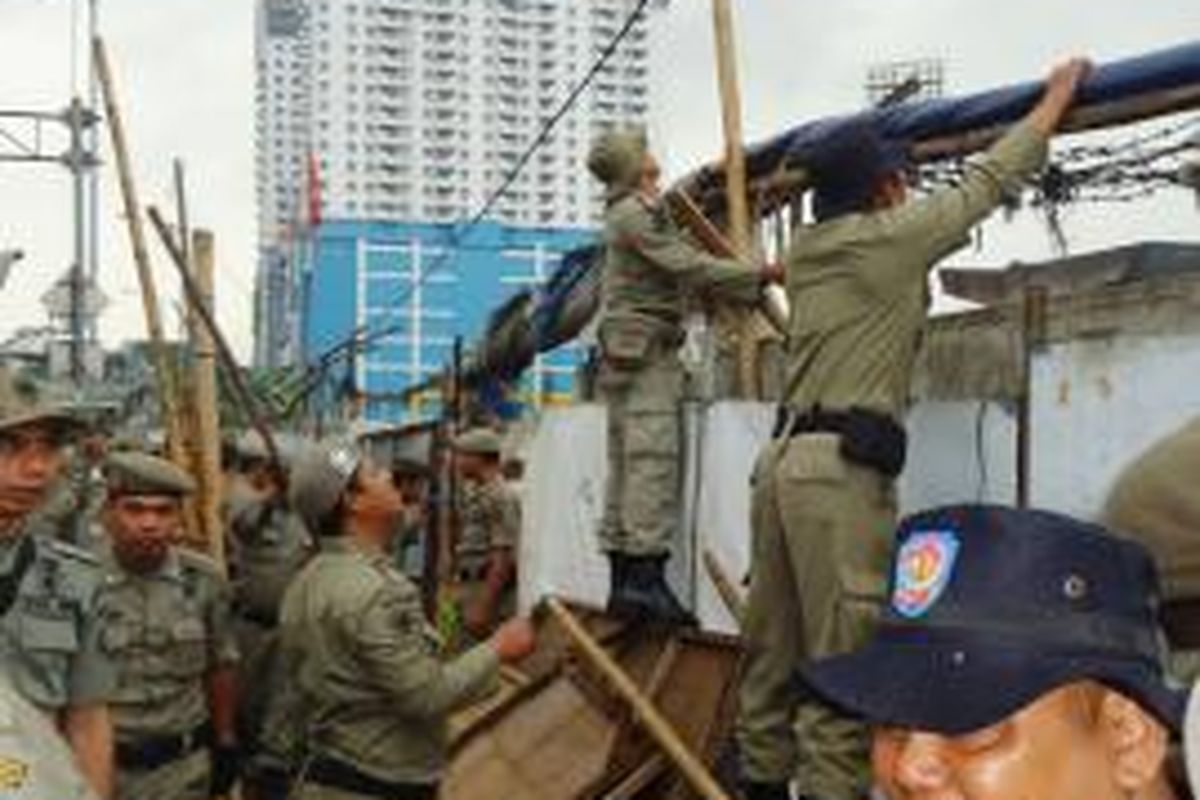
734	603
650	718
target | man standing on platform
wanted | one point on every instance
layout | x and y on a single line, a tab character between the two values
650	267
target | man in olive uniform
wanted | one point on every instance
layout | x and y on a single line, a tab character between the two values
49	625
1156	500
649	269
367	696
167	626
486	554
76	497
823	502
412	481
268	544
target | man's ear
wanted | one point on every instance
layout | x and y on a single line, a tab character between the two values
1137	741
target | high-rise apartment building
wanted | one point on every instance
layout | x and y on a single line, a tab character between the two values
415	111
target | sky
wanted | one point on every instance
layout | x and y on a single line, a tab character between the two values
186	79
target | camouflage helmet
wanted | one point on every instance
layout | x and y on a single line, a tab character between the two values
320	476
616	159
23	402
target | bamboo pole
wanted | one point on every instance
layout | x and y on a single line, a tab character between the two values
224	352
141	256
649	717
740	325
731	119
208	423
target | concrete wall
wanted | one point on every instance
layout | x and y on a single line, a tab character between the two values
1097	403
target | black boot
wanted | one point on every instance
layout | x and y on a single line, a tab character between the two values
640	591
766	791
618	570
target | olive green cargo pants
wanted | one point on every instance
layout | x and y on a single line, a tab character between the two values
641	497
822	532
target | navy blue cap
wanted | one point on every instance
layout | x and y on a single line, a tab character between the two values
989	608
846	166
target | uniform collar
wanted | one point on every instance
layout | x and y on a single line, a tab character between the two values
9	545
348	545
171	569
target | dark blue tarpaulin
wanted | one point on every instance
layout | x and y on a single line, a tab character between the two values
920	120
562	307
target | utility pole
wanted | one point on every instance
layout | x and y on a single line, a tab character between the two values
29	146
77	154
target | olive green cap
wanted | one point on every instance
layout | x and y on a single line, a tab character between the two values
320	477
1156	500
23	402
478	441
131	472
616	159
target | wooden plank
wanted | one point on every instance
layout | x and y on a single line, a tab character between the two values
640	779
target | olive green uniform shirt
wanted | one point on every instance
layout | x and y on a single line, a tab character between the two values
491	514
649	262
858	283
167	631
50	638
366	685
268	546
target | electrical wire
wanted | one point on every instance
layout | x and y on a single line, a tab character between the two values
362	338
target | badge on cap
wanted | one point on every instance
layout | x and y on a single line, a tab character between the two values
923	569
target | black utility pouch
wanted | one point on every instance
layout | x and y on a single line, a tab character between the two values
874	440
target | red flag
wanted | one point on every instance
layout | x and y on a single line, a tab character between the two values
314	190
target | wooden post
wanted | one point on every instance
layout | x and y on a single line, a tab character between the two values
739	326
208	423
731	118
654	723
141	257
1033	332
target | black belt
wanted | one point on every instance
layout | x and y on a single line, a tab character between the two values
1181	621
868	438
265	619
337	774
151	752
473	574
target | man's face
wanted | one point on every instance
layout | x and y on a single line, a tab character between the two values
471	466
30	459
142	529
651	172
376	497
261	478
413	489
1050	749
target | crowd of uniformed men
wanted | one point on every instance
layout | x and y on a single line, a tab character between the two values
971	652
